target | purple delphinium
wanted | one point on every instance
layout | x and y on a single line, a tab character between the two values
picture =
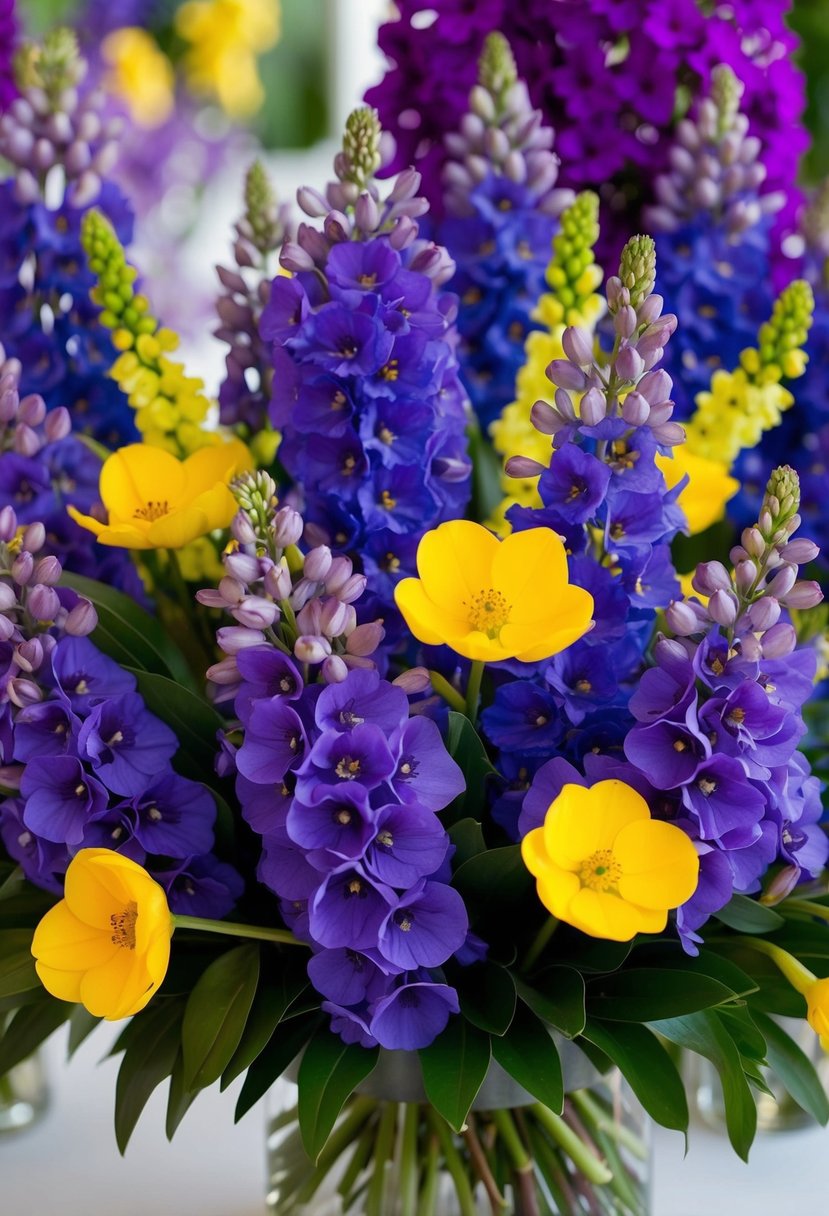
502	204
366	392
8	38
592	67
83	762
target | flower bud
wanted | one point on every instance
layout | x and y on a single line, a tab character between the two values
242	567
231	590
34	538
352	588
233	638
523	466
722	607
317	564
635	409
366	213
365	639
29	655
745	574
751	647
8	524
22	568
48	570
625	322
565	374
333	618
629	364
32	410
578	345
82	619
294	258
255	612
805	594
287	528
334	669
6	628
710	577
340	572
593	407
278	581
781	886
43	603
779	641
8	599
782	582
224	672
241	529
681	619
23	692
311	649
800	551
545	419
764	613
414	681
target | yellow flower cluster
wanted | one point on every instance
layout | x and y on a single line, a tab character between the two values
742	404
225	37
140	74
171	407
573	277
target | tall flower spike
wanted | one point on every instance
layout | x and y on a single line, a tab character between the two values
245	391
171	408
361	157
743	404
637	274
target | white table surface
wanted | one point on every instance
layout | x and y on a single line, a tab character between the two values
69	1165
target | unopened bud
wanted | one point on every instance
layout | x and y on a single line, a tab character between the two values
82	619
805	594
764	613
593	407
779	641
43	603
681	619
710	577
287	528
365	639
334	669
317	563
312	649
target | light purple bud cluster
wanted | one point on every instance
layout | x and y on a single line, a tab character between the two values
351	211
25	426
34	611
58	123
302	605
749	601
502	133
715	166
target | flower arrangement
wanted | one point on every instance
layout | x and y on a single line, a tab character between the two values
413	721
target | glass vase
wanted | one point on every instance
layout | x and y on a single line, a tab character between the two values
390	1154
23	1095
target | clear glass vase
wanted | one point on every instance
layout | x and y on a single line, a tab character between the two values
390	1154
24	1095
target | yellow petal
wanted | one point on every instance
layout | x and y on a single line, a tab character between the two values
125	537
708	490
455	563
581	821
114	986
177	529
660	866
530	568
534	853
62	942
65	985
218	505
94	888
557	889
420	613
215	463
139	474
86	521
600	914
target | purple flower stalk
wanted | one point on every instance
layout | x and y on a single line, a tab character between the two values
8	38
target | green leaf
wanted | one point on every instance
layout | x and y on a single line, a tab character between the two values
17	967
647	1067
216	1013
81	1025
28	1028
529	1054
179	1098
12	880
454	1067
705	1034
500	870
272	1001
468	838
128	634
748	916
644	994
487	471
794	1068
465	747
286	1043
328	1073
149	1060
194	721
487	996
557	996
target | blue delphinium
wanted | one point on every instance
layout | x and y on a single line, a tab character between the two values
87	764
502	204
366	392
713	227
60	153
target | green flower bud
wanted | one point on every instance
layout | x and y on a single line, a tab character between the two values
497	69
637	268
361	146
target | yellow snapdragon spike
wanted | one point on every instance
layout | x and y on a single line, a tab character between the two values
604	866
492	600
106	945
224	39
573	277
171	408
140	74
155	501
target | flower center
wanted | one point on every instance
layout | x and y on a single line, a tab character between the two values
391	371
387	501
123	926
385	838
348	768
152	510
737	717
343	816
600	871
489	612
706	786
404	919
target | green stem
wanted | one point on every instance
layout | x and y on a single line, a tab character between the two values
358	1162
456	1167
343	1135
431	1176
408	1160
540	942
445	690
593	1113
232	929
473	689
799	976
377	1187
807	907
512	1141
479	1160
594	1170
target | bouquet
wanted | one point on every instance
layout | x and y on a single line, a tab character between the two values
414	726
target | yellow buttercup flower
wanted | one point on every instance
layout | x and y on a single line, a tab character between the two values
603	865
155	501
141	74
491	600
225	36
709	488
106	945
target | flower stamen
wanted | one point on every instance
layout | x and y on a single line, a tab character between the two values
123	926
600	871
489	612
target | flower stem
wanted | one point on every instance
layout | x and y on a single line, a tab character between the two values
232	929
479	1160
408	1160
454	1164
383	1146
807	908
473	689
540	942
445	690
431	1177
799	976
593	1169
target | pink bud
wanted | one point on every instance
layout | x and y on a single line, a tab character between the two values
764	613
745	574
242	529
545	419
317	563
783	582
287	527
8	599
578	345
800	551
22	568
635	409
29	655
593	408
224	672
710	577
414	681
278	581
34	538
523	466
255	612
6	628
681	618
722	607
233	638
333	618
779	641
43	603
629	364
782	885
339	574
365	639
23	692
565	374
352	588
805	594
32	410
48	570
82	619
334	669
8	524
311	649
242	567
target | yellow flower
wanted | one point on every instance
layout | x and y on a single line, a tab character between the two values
603	865
155	501
140	74
708	490
817	1003
106	945
491	599
225	36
